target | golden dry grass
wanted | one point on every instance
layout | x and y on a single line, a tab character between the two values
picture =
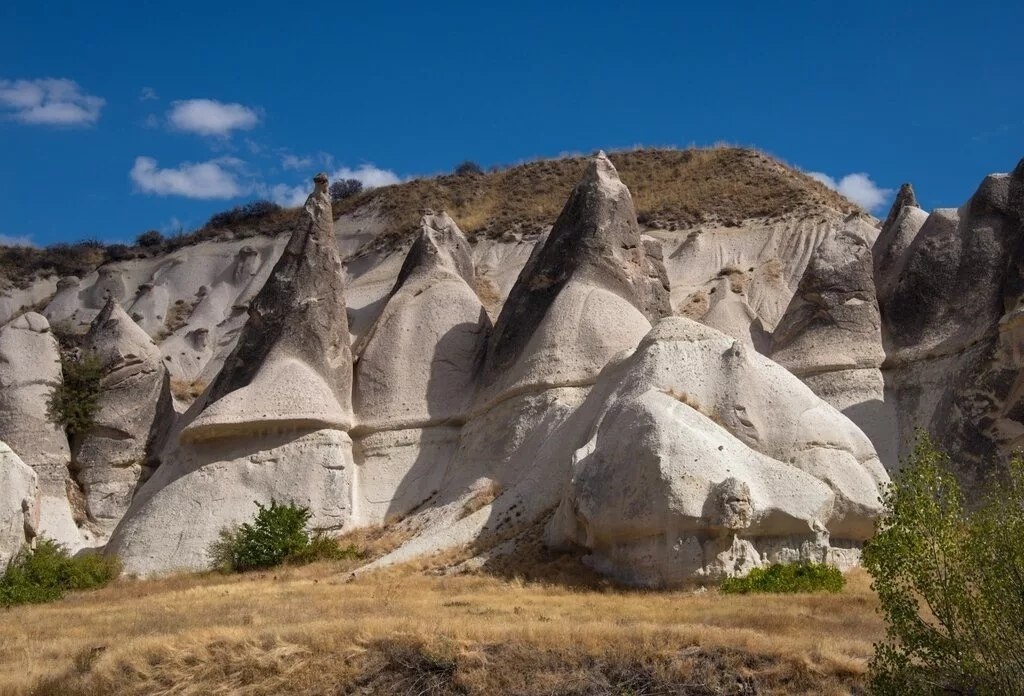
672	189
311	631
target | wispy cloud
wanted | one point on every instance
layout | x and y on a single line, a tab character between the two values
211	117
148	94
22	240
49	102
290	161
217	178
288	196
858	187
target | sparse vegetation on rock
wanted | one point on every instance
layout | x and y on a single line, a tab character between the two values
73	403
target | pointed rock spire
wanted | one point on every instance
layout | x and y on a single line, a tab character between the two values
134	414
292	365
595	238
416	366
439	245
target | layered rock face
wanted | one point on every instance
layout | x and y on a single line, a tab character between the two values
272	425
133	417
414	376
705	459
19	505
29	369
950	299
830	336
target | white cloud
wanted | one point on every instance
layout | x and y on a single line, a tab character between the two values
367	174
148	94
289	161
288	196
49	102
211	117
23	240
218	178
858	187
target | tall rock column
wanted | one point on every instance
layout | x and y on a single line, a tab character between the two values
414	375
271	426
29	369
135	413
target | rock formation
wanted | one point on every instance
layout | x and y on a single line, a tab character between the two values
669	448
414	376
19	508
272	425
830	336
29	369
951	301
704	459
134	414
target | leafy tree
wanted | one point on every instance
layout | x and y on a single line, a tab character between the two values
73	403
950	582
150	240
468	168
345	188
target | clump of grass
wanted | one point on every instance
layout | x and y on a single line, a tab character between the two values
277	535
787	578
46	573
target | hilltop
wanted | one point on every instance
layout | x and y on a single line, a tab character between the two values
672	189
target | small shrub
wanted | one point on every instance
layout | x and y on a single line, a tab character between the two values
345	188
73	403
786	578
150	240
950	582
277	535
119	252
47	572
243	214
468	168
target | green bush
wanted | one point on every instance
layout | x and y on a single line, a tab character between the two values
277	535
787	577
46	573
73	403
950	582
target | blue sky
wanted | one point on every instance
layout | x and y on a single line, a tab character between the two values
120	117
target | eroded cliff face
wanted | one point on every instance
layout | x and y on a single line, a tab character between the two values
684	404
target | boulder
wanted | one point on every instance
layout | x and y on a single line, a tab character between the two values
19	505
272	426
30	368
134	414
703	459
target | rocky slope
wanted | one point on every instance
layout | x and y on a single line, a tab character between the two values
722	386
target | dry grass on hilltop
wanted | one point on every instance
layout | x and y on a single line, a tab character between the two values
312	631
672	189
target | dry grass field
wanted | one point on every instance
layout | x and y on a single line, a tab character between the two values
314	630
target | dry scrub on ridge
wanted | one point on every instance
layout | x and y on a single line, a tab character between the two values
310	631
